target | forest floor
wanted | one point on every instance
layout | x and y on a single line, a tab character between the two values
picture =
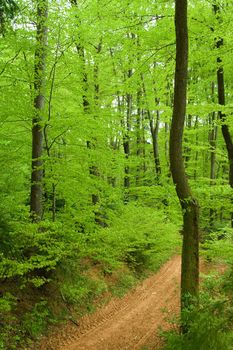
132	322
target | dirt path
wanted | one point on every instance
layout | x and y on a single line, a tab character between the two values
131	322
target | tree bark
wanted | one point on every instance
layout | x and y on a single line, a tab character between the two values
87	106
154	130
195	173
190	249
139	137
212	141
36	204
166	146
94	171
126	139
221	100
154	135
187	148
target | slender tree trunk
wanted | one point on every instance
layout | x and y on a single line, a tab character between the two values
143	143
93	170
190	250
196	152
139	125
126	140
221	100
166	146
169	102
51	195
154	130
155	136
39	104
139	137
212	141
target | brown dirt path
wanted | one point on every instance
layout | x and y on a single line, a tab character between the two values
131	322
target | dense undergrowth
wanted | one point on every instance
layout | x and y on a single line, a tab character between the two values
210	325
51	272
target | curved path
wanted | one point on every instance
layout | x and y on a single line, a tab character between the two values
132	322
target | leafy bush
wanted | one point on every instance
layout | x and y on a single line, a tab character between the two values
45	257
35	321
30	248
219	249
8	335
141	237
124	283
208	329
80	292
210	325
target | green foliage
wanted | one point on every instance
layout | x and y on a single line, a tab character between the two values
81	291
206	332
6	303
218	245
14	332
28	248
78	265
8	10
138	237
35	322
9	337
210	324
125	281
99	56
141	236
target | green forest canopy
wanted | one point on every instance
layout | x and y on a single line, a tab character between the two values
118	59
92	82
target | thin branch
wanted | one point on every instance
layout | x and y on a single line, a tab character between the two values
10	61
57	137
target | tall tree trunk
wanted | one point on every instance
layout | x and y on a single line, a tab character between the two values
212	141
196	152
139	124
190	250
126	139
221	100
166	146
169	103
93	170
39	104
154	130
155	136
143	144
139	137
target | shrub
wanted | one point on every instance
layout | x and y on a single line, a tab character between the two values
210	325
34	322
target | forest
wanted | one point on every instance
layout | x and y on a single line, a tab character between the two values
116	180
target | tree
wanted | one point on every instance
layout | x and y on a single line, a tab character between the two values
190	250
222	116
36	206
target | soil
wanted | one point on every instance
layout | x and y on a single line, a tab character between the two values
132	322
